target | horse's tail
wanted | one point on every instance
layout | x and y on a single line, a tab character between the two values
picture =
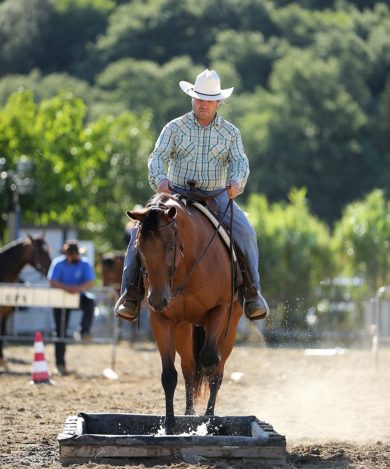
198	338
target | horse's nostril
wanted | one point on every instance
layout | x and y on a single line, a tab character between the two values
157	302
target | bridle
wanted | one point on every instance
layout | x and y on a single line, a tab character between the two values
33	259
172	222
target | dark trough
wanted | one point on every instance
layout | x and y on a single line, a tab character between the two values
97	437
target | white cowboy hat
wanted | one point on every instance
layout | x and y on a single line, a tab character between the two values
207	87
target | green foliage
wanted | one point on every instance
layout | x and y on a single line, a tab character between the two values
307	133
86	175
24	31
362	240
249	53
295	254
141	84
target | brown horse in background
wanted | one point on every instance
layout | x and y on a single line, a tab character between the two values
13	257
112	268
188	280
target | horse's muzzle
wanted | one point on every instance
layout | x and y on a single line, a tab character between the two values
158	299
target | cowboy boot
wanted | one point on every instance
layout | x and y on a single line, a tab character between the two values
255	305
129	304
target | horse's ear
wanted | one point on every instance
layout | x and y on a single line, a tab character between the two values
171	212
30	237
137	214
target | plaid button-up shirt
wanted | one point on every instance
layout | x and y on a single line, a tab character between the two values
211	155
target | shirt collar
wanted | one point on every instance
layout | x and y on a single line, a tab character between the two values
216	122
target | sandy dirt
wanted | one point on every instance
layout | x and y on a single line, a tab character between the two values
334	410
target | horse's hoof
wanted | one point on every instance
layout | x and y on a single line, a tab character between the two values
169	426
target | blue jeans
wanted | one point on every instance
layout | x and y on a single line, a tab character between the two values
243	234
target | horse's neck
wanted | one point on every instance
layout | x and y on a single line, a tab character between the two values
12	262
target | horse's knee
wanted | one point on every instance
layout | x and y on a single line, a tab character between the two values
169	379
209	360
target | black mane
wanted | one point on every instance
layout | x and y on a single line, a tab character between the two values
151	221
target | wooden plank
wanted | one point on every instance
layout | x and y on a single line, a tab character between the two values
208	452
24	296
243	437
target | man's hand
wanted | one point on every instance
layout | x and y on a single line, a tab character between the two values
234	190
164	186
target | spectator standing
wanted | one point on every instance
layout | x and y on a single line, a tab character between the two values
73	273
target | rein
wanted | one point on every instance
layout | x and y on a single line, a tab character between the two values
180	288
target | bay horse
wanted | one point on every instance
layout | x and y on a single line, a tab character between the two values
187	277
112	267
13	257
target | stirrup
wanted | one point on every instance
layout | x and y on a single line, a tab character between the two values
256	308
126	308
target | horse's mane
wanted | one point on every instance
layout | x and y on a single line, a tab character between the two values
156	205
11	246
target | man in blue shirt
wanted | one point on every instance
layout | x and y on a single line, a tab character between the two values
73	273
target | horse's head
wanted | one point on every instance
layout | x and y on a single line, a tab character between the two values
112	268
38	255
158	245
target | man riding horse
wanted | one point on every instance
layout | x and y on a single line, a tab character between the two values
204	147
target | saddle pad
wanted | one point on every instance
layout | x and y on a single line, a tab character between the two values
214	220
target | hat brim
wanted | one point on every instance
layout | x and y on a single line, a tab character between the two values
188	88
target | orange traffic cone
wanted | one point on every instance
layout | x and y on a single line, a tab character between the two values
40	371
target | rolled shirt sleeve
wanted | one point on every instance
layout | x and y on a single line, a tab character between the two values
158	159
239	164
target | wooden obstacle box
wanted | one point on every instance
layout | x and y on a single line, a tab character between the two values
100	437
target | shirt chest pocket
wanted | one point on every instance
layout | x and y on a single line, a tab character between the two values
219	154
185	149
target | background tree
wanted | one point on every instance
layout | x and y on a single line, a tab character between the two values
86	174
307	134
24	31
362	238
295	255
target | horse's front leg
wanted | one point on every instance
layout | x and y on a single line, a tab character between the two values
224	346
214	326
215	382
163	331
184	347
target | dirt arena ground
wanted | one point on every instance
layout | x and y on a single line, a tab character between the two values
334	410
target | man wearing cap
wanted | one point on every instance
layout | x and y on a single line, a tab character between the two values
204	147
73	273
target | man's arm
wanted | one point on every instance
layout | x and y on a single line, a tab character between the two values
72	288
239	166
159	158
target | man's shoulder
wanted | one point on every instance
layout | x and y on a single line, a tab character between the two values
59	260
227	125
85	260
178	122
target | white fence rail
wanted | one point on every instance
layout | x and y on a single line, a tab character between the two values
26	296
33	312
